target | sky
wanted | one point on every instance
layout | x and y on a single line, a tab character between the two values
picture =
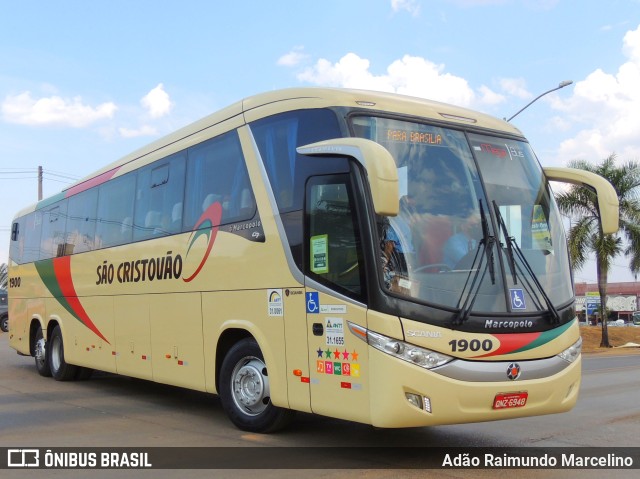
85	83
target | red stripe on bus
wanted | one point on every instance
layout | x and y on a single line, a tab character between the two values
95	181
62	269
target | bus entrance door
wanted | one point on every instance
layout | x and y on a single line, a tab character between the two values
337	358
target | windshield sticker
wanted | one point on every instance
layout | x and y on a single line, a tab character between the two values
540	229
274	300
320	254
517	299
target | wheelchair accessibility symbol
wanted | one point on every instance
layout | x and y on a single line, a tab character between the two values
517	299
313	303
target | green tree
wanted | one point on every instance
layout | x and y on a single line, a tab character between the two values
585	235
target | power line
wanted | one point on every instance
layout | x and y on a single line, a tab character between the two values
22	171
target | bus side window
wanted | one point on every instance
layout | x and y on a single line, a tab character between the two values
217	174
115	205
33	227
53	231
159	194
81	221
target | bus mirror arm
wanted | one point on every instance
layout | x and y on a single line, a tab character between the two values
608	205
380	166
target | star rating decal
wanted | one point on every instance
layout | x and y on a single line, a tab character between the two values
337	363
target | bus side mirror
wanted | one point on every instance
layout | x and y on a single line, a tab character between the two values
380	166
608	205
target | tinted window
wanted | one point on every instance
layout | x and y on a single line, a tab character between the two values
115	211
278	137
31	236
53	231
159	196
217	175
81	221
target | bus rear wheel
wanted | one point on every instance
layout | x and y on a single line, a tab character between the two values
245	392
40	354
60	369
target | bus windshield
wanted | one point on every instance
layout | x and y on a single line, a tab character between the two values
478	229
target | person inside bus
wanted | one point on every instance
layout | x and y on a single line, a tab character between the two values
397	250
459	249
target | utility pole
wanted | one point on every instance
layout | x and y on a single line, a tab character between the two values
39	183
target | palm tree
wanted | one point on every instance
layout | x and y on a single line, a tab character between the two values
585	234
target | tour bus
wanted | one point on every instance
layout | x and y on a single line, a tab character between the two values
636	318
366	256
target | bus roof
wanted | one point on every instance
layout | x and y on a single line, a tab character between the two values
265	104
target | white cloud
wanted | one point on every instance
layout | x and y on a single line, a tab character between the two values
489	97
607	108
144	130
410	75
516	87
411	6
54	110
293	58
157	102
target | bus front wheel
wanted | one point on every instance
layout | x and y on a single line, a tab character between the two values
245	392
60	369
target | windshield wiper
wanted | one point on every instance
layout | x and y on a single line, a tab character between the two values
484	250
511	246
509	240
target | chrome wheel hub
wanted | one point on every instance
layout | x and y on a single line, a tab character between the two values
250	386
40	352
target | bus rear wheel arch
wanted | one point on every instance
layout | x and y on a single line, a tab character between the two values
244	390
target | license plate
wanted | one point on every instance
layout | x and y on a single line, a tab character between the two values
510	400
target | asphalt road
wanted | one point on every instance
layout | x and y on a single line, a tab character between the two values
115	411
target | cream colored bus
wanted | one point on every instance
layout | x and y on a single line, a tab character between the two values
365	256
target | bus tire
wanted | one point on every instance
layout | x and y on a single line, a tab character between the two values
40	354
244	390
60	369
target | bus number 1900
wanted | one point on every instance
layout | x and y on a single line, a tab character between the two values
461	345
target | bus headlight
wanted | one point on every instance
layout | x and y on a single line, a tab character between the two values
573	352
422	357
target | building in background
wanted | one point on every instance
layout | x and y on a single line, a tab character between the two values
622	300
